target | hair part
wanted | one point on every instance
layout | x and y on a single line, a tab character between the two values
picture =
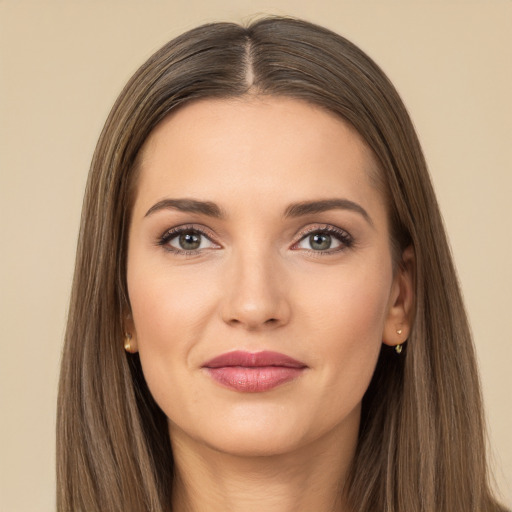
421	411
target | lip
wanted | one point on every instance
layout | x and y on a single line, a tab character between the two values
253	372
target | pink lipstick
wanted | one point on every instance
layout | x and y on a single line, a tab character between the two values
253	372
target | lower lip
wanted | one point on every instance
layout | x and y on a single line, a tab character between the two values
253	379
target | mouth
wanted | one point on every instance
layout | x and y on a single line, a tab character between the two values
253	372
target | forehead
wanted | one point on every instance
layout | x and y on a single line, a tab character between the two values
255	147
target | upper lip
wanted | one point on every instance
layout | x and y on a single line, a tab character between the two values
253	360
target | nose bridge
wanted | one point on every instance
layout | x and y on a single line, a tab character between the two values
255	295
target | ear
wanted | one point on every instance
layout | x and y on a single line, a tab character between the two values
397	326
130	334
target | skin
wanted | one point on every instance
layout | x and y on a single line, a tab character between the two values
258	282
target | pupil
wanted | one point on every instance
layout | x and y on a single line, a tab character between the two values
189	241
320	242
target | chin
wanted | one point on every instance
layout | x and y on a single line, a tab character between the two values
243	437
255	444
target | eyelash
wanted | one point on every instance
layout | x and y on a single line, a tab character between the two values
341	235
174	232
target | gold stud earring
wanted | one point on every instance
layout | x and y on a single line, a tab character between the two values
128	342
399	347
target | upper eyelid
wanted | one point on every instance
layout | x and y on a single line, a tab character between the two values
188	227
319	228
309	228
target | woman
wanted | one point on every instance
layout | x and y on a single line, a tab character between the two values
265	315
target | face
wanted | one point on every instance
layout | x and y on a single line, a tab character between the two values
260	274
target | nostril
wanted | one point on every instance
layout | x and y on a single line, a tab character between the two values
255	308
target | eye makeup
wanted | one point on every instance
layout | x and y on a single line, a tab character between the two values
193	239
321	236
191	235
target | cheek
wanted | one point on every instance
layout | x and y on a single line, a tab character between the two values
165	300
350	301
170	310
347	319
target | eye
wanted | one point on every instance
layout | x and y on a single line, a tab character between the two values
186	240
327	240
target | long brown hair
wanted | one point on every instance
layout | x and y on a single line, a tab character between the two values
422	443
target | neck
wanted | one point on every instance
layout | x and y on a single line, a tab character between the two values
310	478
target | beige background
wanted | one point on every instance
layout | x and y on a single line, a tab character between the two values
63	63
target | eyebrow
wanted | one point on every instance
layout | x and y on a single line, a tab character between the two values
293	210
309	207
188	205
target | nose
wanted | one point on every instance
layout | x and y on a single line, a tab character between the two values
255	295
